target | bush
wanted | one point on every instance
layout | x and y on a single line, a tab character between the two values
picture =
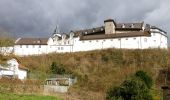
145	78
133	89
57	69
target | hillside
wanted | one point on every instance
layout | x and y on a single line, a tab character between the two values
98	70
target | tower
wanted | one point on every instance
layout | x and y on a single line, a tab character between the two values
110	26
57	30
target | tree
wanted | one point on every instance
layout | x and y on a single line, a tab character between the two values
57	68
145	78
131	89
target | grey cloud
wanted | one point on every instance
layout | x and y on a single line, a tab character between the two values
38	18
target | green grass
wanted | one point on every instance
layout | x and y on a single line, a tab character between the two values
10	96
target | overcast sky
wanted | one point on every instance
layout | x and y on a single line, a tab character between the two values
38	18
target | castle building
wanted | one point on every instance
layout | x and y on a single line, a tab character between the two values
111	35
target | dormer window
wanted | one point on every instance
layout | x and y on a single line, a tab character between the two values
132	26
123	26
85	32
71	34
38	41
93	31
101	29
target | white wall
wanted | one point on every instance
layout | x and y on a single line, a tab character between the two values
30	49
6	72
22	74
156	40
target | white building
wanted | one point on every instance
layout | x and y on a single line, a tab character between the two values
13	69
111	35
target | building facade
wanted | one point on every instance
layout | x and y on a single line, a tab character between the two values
111	35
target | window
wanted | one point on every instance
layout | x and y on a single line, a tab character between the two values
20	46
153	34
38	41
26	46
123	26
126	38
33	46
119	39
111	40
39	46
90	41
58	48
145	39
82	41
154	40
104	40
68	42
134	38
65	43
96	40
62	48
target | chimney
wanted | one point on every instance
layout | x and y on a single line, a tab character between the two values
110	26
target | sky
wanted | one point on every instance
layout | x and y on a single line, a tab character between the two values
38	18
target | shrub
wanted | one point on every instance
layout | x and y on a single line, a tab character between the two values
57	69
132	89
145	78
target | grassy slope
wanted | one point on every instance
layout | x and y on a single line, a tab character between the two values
10	96
98	70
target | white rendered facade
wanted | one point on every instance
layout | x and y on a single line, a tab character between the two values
121	36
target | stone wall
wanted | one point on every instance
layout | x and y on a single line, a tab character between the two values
55	89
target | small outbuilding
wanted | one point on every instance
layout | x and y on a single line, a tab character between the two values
59	84
13	69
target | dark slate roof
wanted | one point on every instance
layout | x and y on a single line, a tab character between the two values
118	35
154	27
131	26
89	31
31	41
119	27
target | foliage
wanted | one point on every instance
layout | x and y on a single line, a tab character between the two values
131	89
145	78
57	69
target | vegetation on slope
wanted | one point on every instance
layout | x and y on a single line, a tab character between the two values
99	70
134	88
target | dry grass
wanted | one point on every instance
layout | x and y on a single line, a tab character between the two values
98	70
